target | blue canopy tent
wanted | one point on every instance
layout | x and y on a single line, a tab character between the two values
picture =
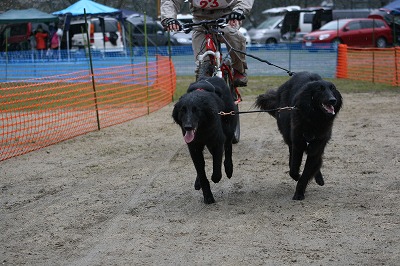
91	8
393	7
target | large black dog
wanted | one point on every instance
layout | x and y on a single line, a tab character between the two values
196	113
308	127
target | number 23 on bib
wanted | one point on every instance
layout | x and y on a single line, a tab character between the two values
210	4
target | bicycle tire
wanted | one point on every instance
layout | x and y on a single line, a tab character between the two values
236	133
204	70
229	82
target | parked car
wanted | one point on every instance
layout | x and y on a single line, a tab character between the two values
156	35
110	41
16	36
391	18
353	32
298	23
268	32
181	38
185	18
246	35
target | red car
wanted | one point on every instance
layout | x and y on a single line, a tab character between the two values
17	36
362	32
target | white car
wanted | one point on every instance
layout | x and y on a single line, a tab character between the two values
246	35
112	40
268	32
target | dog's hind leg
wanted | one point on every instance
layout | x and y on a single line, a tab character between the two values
201	180
228	159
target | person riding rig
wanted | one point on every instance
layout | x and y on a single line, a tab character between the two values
233	10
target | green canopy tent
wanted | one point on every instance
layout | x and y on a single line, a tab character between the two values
31	15
26	15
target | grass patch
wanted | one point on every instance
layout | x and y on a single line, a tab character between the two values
259	84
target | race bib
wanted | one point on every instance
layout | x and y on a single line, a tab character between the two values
210	4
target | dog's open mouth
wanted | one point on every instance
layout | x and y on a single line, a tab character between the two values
329	108
189	135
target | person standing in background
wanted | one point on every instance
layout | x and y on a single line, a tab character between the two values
41	41
55	40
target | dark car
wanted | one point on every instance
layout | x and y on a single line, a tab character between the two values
156	35
361	32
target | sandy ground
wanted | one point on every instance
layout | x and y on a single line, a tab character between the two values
125	196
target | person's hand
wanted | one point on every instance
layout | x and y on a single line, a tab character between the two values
171	24
234	23
234	18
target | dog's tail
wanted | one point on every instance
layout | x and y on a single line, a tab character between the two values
268	101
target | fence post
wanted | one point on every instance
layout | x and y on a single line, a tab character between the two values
147	63
91	71
171	77
170	62
396	81
373	65
341	68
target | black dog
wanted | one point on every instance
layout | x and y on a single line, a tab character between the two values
308	127
196	113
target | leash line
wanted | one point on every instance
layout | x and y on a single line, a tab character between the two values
290	73
229	46
287	108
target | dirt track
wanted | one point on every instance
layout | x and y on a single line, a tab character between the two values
125	196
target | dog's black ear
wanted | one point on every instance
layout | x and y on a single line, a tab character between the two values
175	111
339	98
303	99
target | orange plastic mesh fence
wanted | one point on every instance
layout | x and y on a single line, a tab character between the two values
37	113
369	64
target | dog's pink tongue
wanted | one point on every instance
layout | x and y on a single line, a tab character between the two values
189	136
329	108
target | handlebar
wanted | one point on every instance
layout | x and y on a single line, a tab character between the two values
207	24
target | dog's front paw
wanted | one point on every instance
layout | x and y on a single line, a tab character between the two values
319	179
298	196
295	175
197	185
216	177
209	199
